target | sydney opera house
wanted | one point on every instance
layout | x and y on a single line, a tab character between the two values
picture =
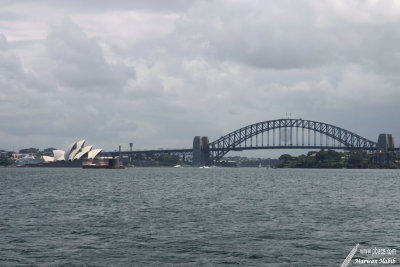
75	151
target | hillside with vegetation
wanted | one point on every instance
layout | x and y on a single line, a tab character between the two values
330	159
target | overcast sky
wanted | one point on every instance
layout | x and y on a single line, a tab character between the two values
157	73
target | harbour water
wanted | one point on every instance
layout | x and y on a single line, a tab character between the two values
195	217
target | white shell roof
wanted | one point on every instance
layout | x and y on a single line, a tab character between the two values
69	150
83	151
93	153
58	155
80	143
77	149
48	159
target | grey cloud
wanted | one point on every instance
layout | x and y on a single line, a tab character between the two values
216	66
31	110
3	42
116	5
9	16
10	64
80	63
285	34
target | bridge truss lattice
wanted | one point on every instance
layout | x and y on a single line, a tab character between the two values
288	134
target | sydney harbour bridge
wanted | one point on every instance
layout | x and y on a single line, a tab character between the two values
271	134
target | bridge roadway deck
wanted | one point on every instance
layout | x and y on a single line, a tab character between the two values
295	147
154	151
189	150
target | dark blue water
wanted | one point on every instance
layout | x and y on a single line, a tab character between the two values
194	217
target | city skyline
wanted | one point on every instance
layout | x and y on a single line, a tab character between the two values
157	74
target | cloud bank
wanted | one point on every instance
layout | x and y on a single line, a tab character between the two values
157	74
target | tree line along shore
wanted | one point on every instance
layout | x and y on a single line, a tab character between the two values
335	159
313	159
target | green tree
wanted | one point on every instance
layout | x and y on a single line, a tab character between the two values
285	158
304	161
168	160
31	150
358	159
328	159
286	161
48	151
4	161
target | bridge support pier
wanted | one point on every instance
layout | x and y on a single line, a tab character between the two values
201	153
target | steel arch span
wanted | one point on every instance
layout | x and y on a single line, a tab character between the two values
288	137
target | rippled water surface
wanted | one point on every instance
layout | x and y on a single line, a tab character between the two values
194	217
